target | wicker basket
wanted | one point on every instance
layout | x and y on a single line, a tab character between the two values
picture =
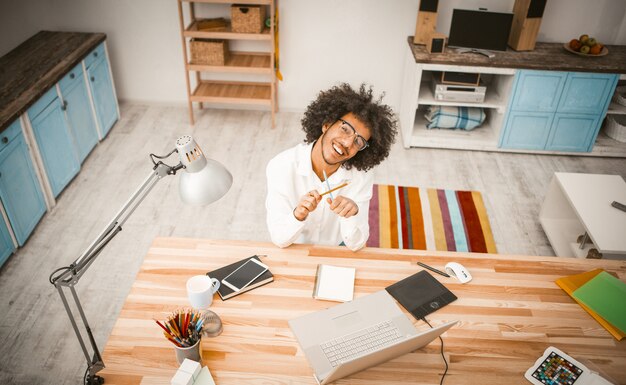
616	127
208	51
247	18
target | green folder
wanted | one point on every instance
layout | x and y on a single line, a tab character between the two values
606	295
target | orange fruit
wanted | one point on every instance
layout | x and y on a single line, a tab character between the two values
594	50
575	44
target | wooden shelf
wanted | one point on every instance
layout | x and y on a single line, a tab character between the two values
232	92
261	2
192	31
239	62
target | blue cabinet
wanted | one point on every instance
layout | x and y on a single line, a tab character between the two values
101	84
537	91
556	111
54	140
20	191
78	111
6	244
527	130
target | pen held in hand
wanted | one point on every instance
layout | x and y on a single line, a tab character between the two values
433	269
335	189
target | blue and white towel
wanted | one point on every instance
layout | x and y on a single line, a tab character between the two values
466	118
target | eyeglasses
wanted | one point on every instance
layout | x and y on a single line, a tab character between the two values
347	130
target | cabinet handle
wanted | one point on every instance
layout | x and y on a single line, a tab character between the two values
5	140
95	54
64	105
72	76
93	79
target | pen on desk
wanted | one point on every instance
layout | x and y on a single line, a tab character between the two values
433	269
336	188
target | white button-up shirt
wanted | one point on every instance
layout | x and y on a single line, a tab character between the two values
290	176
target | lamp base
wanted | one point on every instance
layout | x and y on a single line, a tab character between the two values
94	380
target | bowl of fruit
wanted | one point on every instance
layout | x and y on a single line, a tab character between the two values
586	46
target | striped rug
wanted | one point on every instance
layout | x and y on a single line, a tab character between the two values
429	219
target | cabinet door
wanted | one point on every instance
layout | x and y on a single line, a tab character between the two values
56	146
20	192
573	132
6	244
526	130
587	93
103	95
537	91
79	114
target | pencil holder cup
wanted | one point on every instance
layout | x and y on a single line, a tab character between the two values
193	352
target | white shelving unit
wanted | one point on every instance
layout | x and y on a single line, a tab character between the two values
499	82
576	204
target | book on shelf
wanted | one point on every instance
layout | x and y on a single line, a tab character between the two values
226	292
334	283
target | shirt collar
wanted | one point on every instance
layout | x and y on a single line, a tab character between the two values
305	166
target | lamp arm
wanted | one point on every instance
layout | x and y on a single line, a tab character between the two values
70	275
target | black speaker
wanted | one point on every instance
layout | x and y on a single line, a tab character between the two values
535	9
429	5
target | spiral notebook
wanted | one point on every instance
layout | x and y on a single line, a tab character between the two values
334	283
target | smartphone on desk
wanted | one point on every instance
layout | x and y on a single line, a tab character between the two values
244	274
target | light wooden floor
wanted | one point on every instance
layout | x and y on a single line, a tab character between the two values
37	342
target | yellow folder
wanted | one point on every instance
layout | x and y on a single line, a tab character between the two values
573	282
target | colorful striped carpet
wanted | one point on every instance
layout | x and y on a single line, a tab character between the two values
429	219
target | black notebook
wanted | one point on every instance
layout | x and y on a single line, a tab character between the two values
421	294
226	292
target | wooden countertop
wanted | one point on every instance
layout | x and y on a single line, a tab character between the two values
545	56
509	314
34	66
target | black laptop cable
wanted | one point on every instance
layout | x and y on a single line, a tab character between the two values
442	355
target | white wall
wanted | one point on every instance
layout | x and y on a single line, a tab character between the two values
322	42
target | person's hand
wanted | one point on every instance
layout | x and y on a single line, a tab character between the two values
342	206
308	203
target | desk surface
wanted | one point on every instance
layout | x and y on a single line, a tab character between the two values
545	56
509	314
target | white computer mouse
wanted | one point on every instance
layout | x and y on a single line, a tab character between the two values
458	271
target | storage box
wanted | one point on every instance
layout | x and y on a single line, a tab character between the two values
247	18
208	51
616	127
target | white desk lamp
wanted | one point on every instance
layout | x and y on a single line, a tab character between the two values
203	182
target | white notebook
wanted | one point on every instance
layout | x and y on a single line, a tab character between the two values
334	283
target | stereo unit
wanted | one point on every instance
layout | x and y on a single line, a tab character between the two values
462	78
458	93
527	16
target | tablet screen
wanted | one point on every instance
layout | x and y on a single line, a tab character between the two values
556	370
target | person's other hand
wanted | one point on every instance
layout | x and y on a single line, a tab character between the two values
342	206
308	203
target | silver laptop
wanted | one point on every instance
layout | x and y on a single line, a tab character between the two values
356	335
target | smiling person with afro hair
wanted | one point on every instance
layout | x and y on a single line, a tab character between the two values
348	132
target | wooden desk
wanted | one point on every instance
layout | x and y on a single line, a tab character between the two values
509	314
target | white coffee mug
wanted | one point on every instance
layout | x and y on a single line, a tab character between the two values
200	290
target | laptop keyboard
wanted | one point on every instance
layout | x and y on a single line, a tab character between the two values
361	342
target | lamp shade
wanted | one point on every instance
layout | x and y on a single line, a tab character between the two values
204	181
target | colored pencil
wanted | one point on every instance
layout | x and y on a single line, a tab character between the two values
335	189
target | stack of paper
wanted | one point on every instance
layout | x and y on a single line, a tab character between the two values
602	295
